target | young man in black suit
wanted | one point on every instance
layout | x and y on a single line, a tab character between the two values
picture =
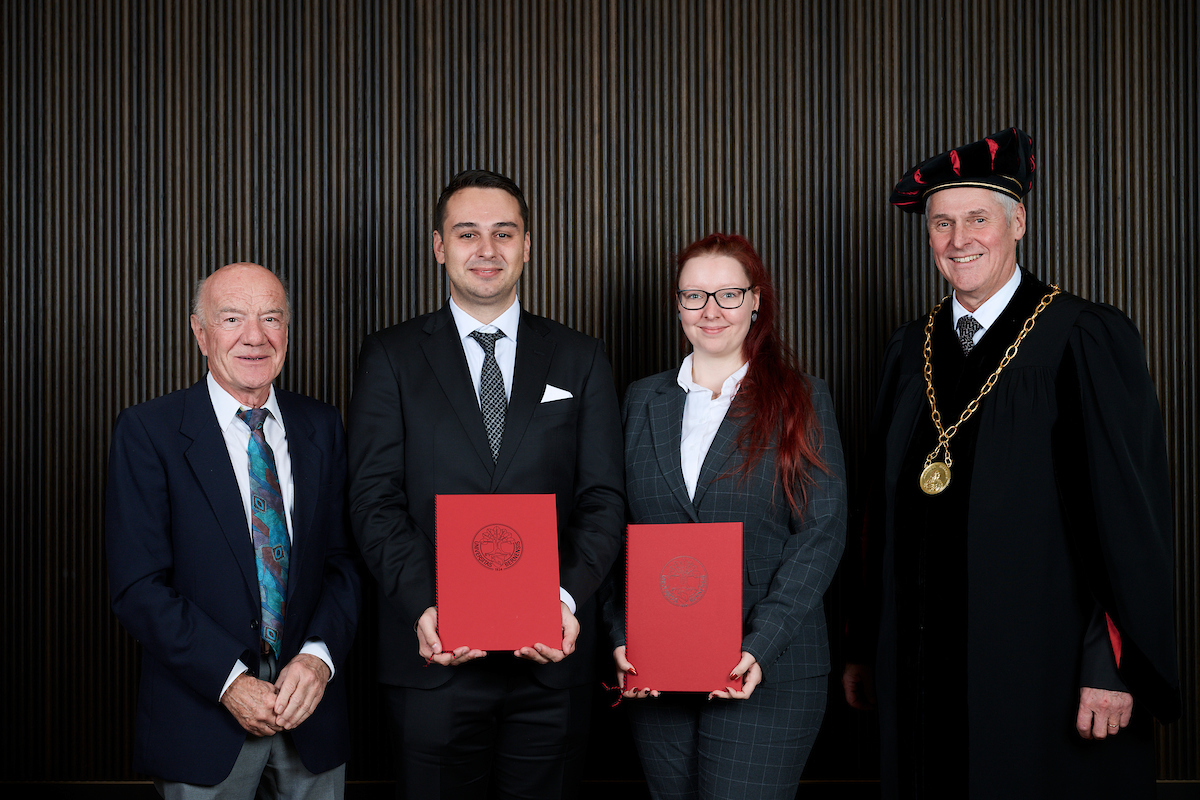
483	397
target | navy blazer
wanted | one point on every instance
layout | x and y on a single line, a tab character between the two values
183	578
788	559
415	431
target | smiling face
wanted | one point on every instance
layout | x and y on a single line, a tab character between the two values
484	245
243	330
716	332
974	246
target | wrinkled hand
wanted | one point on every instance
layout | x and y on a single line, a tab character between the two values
858	684
300	687
1102	713
544	654
252	703
430	646
750	673
624	668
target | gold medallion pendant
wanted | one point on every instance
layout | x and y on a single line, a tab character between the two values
935	477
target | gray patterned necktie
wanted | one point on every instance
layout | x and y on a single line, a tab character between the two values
492	401
968	326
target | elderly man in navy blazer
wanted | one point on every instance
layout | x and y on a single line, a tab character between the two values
230	563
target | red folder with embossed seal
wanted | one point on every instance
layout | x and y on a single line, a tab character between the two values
497	571
683	605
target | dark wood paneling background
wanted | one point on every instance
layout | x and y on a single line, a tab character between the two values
144	144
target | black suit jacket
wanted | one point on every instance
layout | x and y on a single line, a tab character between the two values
184	583
416	431
789	559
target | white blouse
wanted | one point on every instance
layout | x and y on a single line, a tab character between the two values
702	416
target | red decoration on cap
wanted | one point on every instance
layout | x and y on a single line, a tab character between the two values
1003	160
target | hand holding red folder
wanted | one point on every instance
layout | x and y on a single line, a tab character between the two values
626	671
748	672
543	654
430	646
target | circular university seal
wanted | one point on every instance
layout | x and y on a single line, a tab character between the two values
683	581
496	546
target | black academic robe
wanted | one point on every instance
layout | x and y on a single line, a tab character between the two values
994	592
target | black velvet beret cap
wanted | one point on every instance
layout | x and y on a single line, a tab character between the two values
1002	161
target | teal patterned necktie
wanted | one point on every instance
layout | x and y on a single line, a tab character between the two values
271	544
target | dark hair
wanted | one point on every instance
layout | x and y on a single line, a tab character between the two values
478	179
775	396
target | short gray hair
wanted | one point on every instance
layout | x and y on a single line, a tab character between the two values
1006	201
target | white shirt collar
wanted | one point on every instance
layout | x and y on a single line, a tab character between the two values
728	388
989	311
506	322
227	407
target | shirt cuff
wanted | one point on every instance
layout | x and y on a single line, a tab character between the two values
316	647
238	669
565	596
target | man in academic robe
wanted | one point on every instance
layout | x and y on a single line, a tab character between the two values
1019	543
484	397
229	562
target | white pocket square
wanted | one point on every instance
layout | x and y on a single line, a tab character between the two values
553	393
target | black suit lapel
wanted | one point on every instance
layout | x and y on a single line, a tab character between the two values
209	460
666	424
535	351
306	479
448	364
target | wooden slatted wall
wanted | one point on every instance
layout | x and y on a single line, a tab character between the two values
143	144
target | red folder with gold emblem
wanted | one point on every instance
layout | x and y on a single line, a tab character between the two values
497	571
683	605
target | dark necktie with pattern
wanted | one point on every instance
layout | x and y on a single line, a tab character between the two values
492	401
968	326
269	532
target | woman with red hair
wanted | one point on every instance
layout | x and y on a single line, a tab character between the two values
752	440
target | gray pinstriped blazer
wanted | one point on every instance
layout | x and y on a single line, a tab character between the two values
789	560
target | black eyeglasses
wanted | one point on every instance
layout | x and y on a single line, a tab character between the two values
696	299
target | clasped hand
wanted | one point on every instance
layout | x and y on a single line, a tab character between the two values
264	709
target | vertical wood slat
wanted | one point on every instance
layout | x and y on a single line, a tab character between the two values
144	144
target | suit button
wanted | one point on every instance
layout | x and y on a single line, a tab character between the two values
253	624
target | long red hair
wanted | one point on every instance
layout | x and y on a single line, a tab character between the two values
775	397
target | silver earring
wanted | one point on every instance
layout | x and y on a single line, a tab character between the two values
753	317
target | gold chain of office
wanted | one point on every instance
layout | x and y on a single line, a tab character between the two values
935	477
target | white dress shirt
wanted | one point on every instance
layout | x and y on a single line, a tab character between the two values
506	359
702	416
989	311
237	441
